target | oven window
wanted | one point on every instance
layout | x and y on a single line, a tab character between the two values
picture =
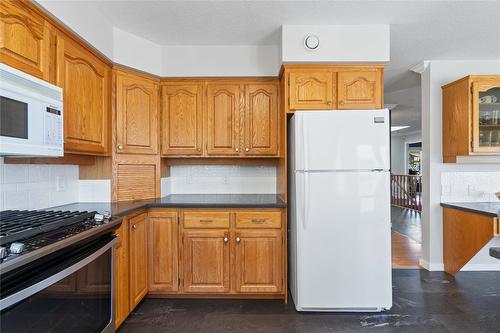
79	303
13	118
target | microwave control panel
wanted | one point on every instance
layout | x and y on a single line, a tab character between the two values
53	126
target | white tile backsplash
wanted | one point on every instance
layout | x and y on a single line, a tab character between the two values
98	190
214	179
25	186
469	186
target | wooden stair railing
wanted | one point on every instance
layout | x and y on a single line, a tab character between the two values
406	191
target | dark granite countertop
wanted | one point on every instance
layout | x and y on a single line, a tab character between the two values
182	201
495	252
483	208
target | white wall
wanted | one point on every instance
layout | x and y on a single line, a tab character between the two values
398	153
221	60
84	19
435	75
136	52
338	43
217	179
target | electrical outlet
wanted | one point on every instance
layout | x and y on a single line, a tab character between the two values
60	183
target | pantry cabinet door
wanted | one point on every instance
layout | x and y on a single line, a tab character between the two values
205	261
164	251
136	114
86	84
311	90
223	119
261	119
360	89
182	120
138	252
24	39
259	261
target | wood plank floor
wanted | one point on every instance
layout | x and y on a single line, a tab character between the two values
405	252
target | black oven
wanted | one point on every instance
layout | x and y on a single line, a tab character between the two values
68	291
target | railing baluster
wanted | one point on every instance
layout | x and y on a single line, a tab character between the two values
406	191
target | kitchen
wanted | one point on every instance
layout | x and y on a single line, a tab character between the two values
200	170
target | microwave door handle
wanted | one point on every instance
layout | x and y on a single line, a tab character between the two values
33	289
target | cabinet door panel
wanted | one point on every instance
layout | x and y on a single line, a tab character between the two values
24	39
182	119
259	262
121	278
205	261
312	90
138	235
485	116
136	177
164	256
360	89
261	120
86	87
223	119
136	114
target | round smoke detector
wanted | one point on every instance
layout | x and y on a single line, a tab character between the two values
311	42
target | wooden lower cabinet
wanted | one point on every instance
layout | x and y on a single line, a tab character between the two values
138	262
163	251
121	275
220	253
205	261
258	261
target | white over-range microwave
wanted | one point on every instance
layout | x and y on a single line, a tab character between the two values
31	115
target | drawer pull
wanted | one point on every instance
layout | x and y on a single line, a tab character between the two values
258	221
206	221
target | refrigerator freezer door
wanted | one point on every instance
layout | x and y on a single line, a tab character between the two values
343	241
341	140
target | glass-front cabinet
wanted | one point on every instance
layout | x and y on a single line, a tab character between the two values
486	113
471	120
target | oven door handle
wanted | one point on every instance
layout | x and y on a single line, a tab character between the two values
33	289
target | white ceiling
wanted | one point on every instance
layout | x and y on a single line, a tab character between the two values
420	30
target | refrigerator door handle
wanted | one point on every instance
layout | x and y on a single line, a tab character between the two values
306	200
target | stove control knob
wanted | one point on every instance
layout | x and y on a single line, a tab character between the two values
3	252
16	248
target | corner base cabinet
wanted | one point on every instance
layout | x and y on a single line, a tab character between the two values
471	118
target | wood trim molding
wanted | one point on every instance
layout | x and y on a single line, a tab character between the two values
66	159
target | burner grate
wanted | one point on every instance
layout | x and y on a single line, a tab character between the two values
19	224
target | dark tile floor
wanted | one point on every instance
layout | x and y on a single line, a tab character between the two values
423	302
407	222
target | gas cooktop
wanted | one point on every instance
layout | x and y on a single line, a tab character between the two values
26	235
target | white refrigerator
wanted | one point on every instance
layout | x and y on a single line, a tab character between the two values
340	228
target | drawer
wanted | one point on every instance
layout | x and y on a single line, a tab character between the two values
258	219
206	219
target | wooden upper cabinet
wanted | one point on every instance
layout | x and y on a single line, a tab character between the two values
86	84
311	90
205	261
259	261
182	119
360	89
24	39
261	119
223	119
164	251
471	119
136	114
138	255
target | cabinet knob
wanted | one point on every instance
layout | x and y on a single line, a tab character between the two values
247	149
329	102
342	103
120	147
226	240
134	226
198	149
237	149
238	240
